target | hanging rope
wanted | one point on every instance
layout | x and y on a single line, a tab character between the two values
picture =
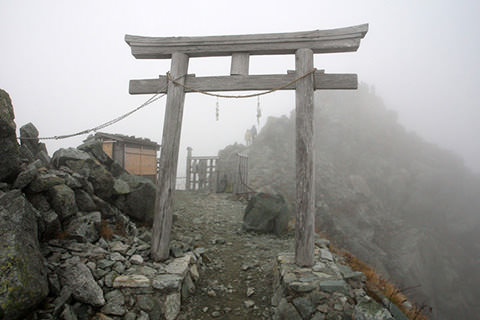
151	100
158	96
241	96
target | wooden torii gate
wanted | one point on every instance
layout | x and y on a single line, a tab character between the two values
305	79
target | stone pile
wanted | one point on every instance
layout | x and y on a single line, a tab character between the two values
328	290
68	242
115	279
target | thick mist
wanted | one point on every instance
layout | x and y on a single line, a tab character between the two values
67	67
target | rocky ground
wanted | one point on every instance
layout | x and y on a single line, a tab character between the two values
236	278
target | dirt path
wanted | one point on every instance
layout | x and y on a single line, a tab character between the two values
236	279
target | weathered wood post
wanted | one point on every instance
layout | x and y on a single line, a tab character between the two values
189	168
172	127
305	166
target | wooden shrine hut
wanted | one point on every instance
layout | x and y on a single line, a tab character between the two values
136	155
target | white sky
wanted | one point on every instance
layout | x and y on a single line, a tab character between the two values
66	65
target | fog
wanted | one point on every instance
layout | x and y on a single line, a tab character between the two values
66	65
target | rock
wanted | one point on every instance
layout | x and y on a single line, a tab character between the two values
85	228
115	303
136	259
139	204
44	182
248	303
39	201
167	281
286	311
23	276
61	156
29	138
304	307
84	201
9	149
75	275
26	176
266	213
333	286
250	291
371	310
172	306
62	200
188	287
120	187
131	281
52	225
68	313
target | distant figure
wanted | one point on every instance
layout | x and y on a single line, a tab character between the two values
253	133
248	137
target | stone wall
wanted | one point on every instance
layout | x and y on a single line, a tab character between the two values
328	290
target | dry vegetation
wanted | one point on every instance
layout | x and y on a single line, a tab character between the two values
377	284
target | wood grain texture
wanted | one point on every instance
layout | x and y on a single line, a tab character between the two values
320	41
245	83
240	63
172	126
305	176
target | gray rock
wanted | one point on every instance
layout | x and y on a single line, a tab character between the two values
39	201
188	287
371	310
120	187
29	138
139	204
62	200
172	306
145	302
118	267
286	311
75	275
136	259
23	276
85	228
61	156
26	176
333	286
9	148
266	213
84	201
68	313
304	307
44	182
52	225
167	281
115	303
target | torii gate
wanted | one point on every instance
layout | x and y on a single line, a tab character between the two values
305	79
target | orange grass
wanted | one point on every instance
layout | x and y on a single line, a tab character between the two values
376	282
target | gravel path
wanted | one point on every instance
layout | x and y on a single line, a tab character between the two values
236	277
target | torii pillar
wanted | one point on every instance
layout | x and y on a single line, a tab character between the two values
304	81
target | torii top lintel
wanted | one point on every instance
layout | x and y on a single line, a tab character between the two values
319	41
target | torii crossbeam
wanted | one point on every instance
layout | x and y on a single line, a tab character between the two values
304	80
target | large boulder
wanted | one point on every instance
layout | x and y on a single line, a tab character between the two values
23	276
266	213
139	204
61	156
9	148
62	200
77	277
85	228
